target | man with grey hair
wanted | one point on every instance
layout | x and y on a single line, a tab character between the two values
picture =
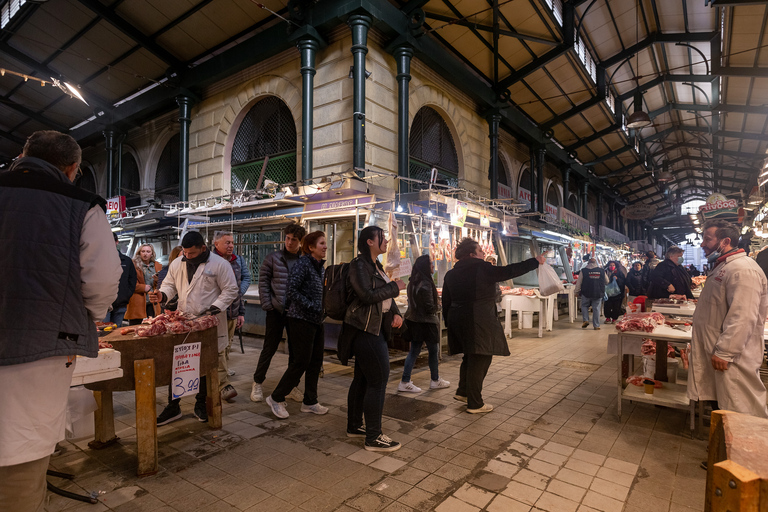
53	290
669	277
728	324
224	246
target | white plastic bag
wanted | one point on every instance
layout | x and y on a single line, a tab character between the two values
549	282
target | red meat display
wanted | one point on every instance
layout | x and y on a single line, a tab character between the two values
172	322
156	329
640	322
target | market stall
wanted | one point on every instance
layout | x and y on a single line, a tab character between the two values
147	363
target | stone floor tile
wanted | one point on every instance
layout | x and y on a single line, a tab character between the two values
558	448
606	504
502	468
416	498
434	484
522	492
521	450
246	497
410	475
620	465
566	490
582	467
364	456
455	505
392	488
502	503
387	464
528	477
574	478
541	467
369	502
550	457
396	506
610	489
592	458
530	440
553	503
616	477
474	495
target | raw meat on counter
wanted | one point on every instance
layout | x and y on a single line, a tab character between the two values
146	331
104	344
648	348
637	380
699	280
639	322
172	322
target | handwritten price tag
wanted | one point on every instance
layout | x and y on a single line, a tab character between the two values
186	369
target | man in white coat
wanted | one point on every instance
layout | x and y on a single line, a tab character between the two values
204	283
727	345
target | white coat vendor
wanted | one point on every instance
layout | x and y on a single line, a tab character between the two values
204	283
727	344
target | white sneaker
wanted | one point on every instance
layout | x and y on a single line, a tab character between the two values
439	383
296	395
278	408
257	395
315	409
230	372
408	387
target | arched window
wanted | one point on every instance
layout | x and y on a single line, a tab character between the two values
553	197
267	130
87	181
503	173
167	176
130	183
573	204
431	146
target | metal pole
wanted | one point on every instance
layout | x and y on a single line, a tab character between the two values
359	24
308	48
185	104
532	181
540	152
119	156
109	137
403	56
584	201
493	134
566	186
599	210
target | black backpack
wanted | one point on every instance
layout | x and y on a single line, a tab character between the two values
335	297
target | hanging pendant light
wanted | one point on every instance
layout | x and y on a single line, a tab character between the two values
639	118
665	176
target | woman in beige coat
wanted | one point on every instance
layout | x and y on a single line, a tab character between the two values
147	267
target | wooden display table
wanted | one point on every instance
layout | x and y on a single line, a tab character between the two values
737	464
147	363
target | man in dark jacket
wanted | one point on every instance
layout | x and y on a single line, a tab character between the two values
65	279
273	282
669	277
762	260
591	286
650	264
469	311
127	286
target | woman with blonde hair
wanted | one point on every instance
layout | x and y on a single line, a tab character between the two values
139	307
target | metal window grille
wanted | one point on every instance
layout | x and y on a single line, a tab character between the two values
431	145
267	130
87	181
254	247
130	183
167	176
280	169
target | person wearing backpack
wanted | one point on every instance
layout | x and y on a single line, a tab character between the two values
422	325
371	314
306	340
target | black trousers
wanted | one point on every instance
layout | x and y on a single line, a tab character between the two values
612	307
276	323
472	372
305	347
369	384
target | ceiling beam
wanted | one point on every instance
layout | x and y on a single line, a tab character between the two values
134	33
595	136
610	155
21	109
662	79
488	28
752	72
534	65
656	37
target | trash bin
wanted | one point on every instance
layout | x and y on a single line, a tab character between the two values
527	319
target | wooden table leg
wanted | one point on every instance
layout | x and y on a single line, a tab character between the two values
104	421
213	403
716	452
146	416
661	360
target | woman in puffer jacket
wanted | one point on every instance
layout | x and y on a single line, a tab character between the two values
304	311
422	325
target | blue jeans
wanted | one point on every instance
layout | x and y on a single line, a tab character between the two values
413	354
595	303
116	316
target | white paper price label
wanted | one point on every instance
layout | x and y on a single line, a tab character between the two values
185	379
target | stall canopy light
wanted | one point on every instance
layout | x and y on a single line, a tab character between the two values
639	118
429	213
400	208
665	175
116	229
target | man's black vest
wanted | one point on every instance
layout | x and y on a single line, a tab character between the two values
42	312
593	283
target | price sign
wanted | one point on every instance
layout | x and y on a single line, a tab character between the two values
185	379
404	269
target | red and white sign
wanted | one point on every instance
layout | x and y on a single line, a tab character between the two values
504	192
115	205
524	196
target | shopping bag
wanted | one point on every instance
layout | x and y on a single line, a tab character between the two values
612	290
549	281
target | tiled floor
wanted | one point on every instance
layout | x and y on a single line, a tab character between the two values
552	443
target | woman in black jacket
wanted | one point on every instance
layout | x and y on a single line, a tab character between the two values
422	325
635	280
306	341
371	312
612	307
469	311
669	277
